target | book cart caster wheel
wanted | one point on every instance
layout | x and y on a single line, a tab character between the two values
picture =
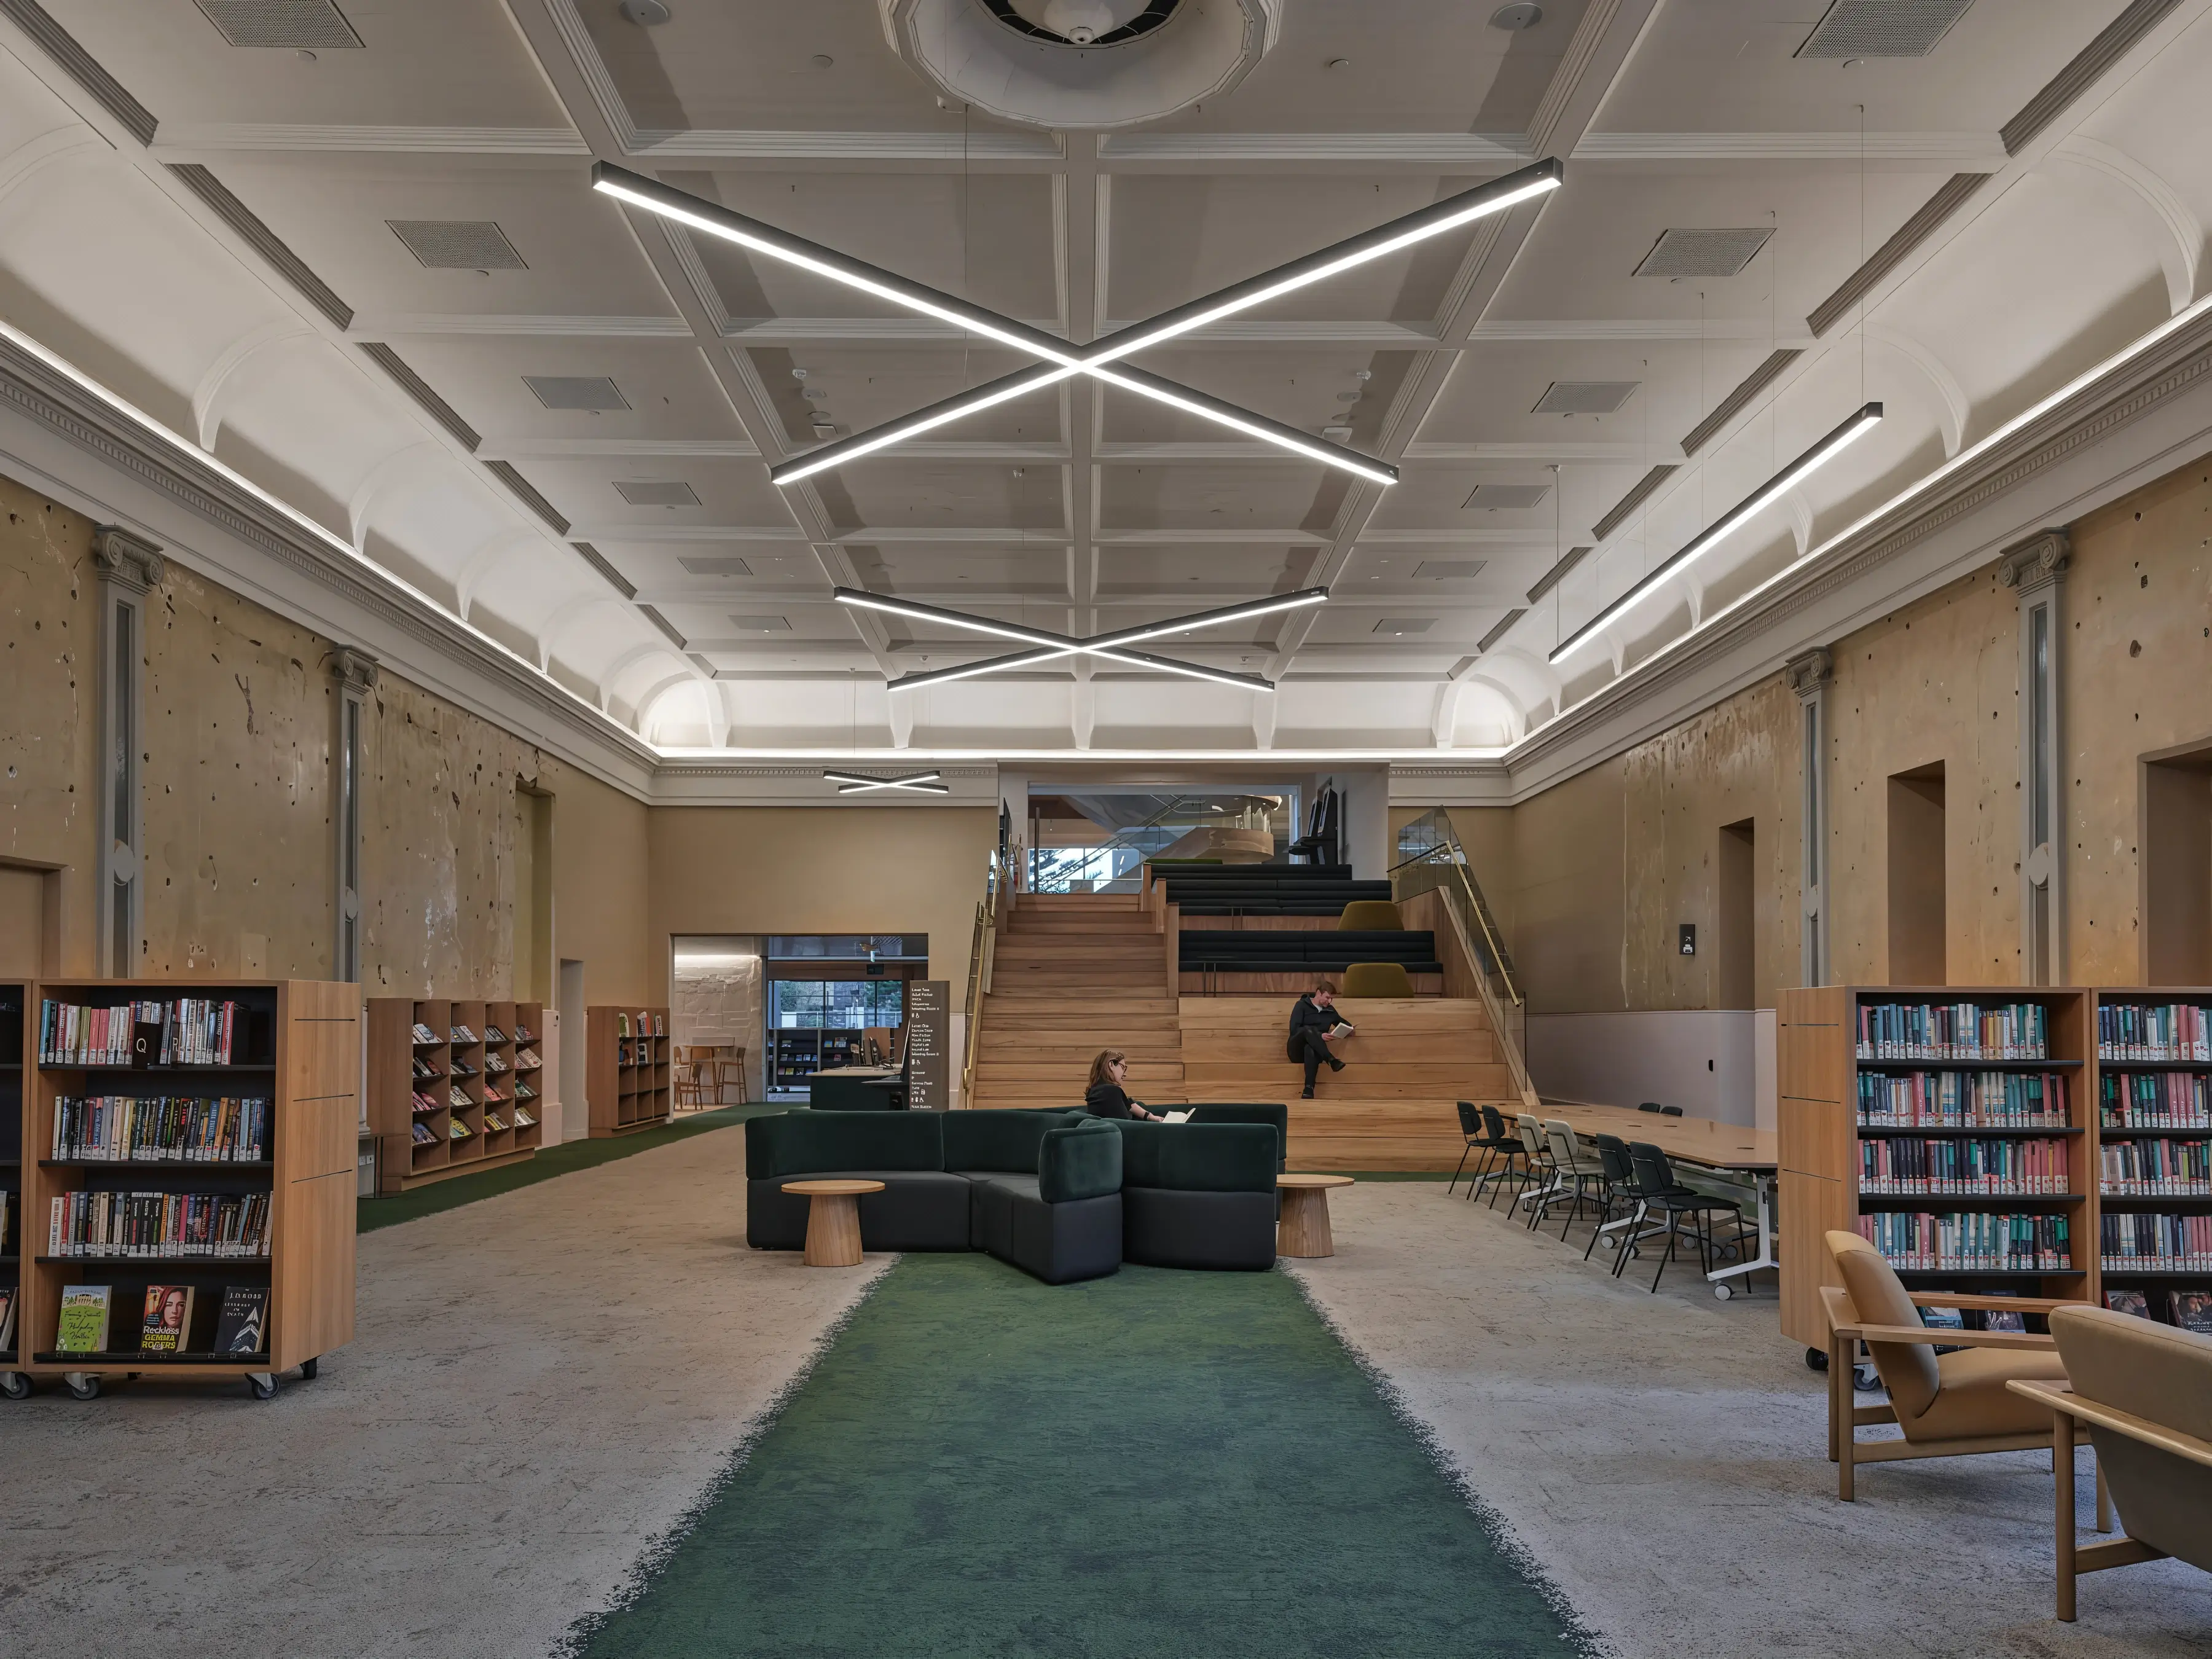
1866	1379
14	1385
1816	1358
309	1368
85	1385
263	1384
1722	1292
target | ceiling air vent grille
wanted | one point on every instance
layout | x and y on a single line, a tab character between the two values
1450	570
1584	397
716	567
1704	252
298	24
1405	624
1882	29
576	391
1508	497
745	624
652	492
458	244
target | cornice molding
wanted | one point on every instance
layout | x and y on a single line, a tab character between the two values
2179	364
30	388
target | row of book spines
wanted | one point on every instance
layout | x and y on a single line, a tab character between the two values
2188	1163
189	1031
465	1036
2005	1096
1962	1242
2182	1242
179	1128
1989	1168
2152	1030
2184	1094
1954	1030
213	1224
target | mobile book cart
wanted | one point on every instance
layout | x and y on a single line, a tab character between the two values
295	1043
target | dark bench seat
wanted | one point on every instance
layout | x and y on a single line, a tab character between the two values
1272	951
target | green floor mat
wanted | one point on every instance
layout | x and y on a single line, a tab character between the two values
1155	1464
370	1213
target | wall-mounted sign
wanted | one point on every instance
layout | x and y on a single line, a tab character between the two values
928	1044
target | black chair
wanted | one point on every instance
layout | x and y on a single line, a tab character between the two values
1670	1111
1651	1106
1615	1190
1509	1148
1657	1193
1479	1140
1323	830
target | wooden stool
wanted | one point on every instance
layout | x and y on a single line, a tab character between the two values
1304	1228
833	1221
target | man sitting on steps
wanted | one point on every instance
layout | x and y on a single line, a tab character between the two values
1313	1028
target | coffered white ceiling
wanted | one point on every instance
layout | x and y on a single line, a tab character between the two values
233	304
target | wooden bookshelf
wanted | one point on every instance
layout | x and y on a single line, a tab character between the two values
15	997
481	1055
298	1046
627	1078
2120	1073
1818	1068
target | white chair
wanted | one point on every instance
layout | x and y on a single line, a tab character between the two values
1577	1175
1537	1198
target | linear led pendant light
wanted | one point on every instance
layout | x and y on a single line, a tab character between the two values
1862	421
1063	359
1114	647
855	783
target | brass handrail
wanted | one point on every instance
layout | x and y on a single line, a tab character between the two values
982	952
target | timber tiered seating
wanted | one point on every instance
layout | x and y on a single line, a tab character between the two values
1265	890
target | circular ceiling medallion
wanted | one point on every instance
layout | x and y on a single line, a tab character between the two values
1081	63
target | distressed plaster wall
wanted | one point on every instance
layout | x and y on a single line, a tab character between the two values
1937	680
239	718
2137	673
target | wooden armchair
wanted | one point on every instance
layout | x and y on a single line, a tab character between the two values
2145	1390
1947	1405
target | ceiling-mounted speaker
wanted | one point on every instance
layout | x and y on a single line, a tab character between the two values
1084	64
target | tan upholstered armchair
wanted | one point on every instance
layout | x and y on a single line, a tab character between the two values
1947	1405
2145	1390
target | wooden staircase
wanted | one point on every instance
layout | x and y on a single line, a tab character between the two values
1074	973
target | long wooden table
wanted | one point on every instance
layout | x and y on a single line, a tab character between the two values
1723	1148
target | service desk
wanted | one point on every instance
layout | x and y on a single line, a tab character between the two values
857	1088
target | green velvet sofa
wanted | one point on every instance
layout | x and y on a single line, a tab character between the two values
1060	1194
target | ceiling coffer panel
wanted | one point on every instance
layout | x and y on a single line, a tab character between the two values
1584	397
1508	497
1704	252
1882	29
458	244
655	492
716	567
575	390
298	25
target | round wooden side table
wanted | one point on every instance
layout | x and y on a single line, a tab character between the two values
1302	1230
833	1219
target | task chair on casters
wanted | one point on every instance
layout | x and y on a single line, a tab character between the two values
1947	1405
1479	1137
1509	1150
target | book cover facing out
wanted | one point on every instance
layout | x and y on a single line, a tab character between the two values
167	1320
83	1326
241	1329
2192	1311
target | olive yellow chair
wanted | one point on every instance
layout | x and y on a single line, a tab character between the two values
1947	1405
1370	916
1376	979
2145	1391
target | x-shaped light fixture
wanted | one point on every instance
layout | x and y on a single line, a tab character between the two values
1104	360
859	783
1114	648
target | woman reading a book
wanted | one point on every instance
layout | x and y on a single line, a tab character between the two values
1314	1026
1105	1097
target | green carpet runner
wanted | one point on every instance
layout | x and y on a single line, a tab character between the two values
1157	1463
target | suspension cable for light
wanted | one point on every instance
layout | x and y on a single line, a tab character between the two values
1064	359
1861	422
855	783
1113	646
